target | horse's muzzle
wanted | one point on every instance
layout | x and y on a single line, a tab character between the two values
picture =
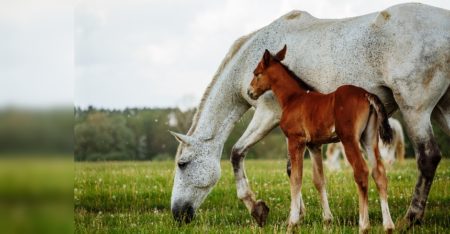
183	213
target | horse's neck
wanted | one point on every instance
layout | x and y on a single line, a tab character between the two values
284	87
219	113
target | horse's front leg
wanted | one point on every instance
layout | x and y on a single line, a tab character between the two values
263	121
296	150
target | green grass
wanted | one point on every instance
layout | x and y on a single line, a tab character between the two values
134	197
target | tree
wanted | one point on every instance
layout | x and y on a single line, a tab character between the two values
103	137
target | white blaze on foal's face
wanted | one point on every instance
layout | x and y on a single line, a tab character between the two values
197	171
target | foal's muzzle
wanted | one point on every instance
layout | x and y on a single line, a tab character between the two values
183	213
251	95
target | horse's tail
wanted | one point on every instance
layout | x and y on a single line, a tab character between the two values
385	130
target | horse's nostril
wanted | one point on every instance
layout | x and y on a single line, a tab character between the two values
183	213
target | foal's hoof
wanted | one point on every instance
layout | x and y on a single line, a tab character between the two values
364	230
260	212
292	228
328	221
389	230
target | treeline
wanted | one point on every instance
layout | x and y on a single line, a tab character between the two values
131	134
142	134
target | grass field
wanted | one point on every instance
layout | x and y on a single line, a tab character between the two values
134	197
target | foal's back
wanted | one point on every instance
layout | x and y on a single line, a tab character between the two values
318	116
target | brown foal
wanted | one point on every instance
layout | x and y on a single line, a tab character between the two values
310	119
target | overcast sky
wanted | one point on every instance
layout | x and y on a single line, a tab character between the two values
134	53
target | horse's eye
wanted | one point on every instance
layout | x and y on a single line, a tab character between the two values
182	165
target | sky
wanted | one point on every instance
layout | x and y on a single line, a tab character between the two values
136	53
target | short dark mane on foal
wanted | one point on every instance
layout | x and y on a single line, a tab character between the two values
294	76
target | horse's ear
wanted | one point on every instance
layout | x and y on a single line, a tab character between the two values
280	55
182	138
266	58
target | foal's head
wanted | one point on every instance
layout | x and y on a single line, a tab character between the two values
266	68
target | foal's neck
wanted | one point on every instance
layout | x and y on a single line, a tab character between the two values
284	86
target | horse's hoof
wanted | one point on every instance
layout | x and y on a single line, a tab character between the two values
260	212
405	223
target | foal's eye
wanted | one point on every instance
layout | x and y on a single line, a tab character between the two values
182	165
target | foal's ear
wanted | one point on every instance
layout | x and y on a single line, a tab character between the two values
280	55
266	58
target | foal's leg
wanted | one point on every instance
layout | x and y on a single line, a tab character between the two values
360	174
296	151
263	121
319	181
288	170
370	144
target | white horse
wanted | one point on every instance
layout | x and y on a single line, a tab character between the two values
333	151
389	152
401	54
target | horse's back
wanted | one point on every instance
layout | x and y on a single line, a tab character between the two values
418	34
367	49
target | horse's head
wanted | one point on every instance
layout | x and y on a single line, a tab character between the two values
197	171
261	81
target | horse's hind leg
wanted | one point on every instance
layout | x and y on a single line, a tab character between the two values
370	144
428	157
416	111
319	181
263	121
296	151
360	174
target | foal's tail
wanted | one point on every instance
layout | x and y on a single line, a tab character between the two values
385	130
